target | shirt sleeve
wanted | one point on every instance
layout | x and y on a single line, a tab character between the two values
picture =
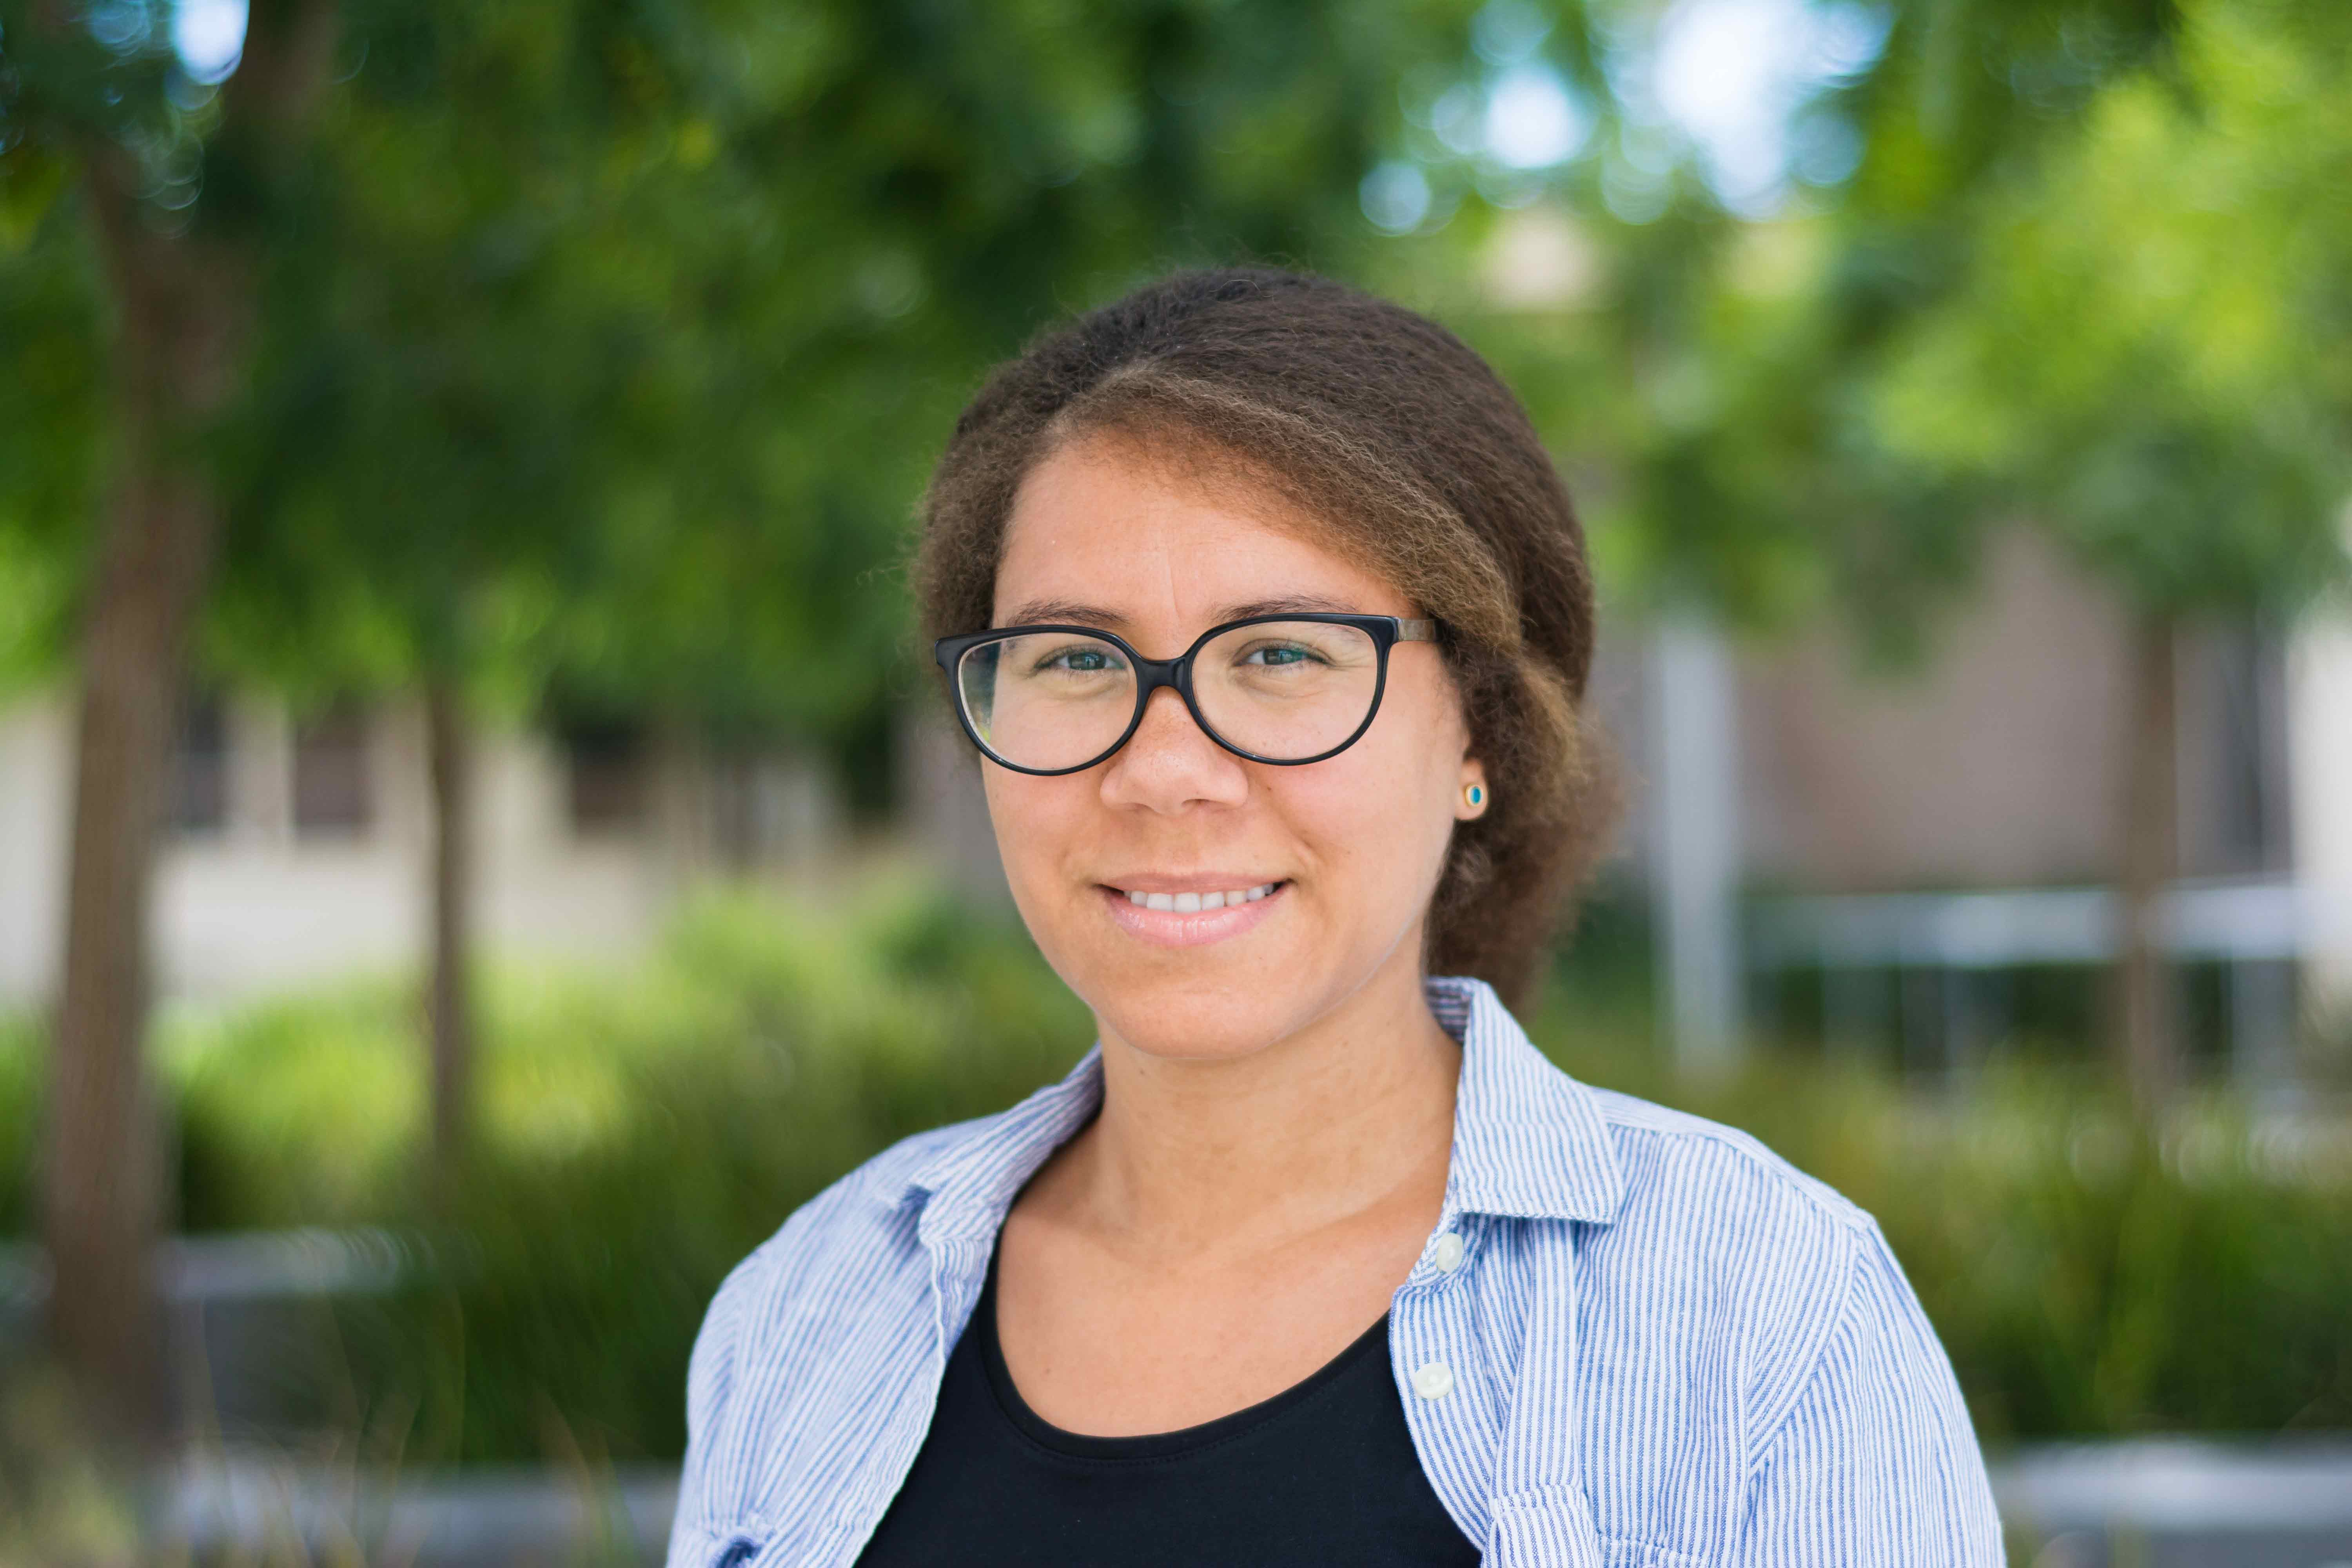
709	1383
1875	1463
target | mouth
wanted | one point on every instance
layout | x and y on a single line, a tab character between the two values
1192	917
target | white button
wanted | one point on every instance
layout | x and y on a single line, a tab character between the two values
1434	1380
1446	1251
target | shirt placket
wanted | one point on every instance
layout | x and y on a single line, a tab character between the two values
1435	1357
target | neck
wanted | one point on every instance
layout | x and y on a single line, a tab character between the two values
1351	1113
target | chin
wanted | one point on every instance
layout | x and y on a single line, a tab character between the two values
1188	1021
1195	1005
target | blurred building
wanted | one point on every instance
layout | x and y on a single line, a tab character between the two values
1906	840
296	848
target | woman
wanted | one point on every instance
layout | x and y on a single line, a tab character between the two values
1267	612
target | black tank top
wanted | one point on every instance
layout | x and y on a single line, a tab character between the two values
1323	1472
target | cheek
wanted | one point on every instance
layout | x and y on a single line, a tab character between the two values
1035	821
1378	814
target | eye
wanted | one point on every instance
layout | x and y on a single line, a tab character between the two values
1278	654
1080	659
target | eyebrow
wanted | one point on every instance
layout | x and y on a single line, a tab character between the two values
1037	612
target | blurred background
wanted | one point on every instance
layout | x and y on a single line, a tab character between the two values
478	844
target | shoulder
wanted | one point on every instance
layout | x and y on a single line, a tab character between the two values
1720	1203
818	1322
1677	1164
840	1298
1744	1326
1848	1420
1720	1242
850	1244
867	1215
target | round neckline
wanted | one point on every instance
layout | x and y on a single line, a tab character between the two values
1147	1445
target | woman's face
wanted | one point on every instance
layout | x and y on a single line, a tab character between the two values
1352	846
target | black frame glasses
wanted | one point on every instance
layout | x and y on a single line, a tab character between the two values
1152	674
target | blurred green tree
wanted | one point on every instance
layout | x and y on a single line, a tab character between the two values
2143	353
614	349
495	348
2088	269
89	103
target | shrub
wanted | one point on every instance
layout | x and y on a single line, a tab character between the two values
636	1134
2085	1278
640	1131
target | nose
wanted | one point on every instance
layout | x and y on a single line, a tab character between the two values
1170	763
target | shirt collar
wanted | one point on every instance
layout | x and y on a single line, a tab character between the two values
970	1183
1529	1140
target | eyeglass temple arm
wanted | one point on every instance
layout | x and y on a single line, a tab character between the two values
1416	631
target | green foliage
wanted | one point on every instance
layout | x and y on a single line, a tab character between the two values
603	353
2090	274
605	349
50	429
1968	89
2085	1278
303	1111
2146	351
637	1135
642	1131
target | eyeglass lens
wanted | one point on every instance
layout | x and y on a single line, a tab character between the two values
1285	690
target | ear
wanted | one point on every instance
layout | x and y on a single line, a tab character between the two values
1473	797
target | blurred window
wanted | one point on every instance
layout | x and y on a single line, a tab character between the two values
199	786
333	787
2252	756
609	775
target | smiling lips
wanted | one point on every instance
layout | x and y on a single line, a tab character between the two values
1190	919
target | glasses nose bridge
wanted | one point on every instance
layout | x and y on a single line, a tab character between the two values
1152	674
1176	675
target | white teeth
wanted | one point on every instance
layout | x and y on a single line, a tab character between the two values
1193	903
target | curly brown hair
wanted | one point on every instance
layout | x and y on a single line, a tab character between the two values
1416	460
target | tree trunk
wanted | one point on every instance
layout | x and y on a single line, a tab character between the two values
103	1193
2146	1034
449	1004
181	301
178	341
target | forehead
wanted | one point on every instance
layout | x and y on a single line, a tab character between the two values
1105	525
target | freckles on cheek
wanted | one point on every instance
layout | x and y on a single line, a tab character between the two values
1050	836
1383	821
1351	823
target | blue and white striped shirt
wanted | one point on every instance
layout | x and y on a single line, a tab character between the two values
1635	1340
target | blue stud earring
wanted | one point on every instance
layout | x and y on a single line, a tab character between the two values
1473	797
